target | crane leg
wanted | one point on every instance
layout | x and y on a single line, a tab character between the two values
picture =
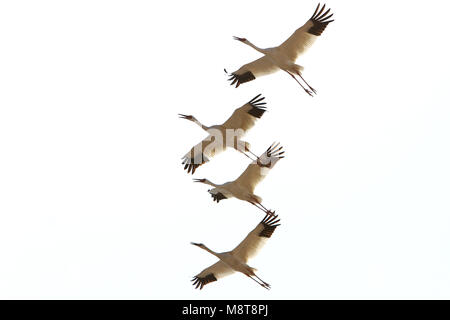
265	211
253	154
311	88
261	207
264	285
272	213
306	90
245	154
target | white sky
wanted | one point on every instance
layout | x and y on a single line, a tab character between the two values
94	202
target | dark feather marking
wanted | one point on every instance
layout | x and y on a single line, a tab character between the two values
257	112
272	151
241	78
320	21
201	282
218	196
191	164
269	223
258	107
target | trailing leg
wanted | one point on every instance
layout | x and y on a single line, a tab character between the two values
306	90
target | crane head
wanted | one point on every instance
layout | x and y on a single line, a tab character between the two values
187	117
201	245
240	39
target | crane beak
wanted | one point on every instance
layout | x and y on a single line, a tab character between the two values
196	244
239	39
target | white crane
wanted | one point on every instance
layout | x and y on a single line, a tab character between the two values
243	187
236	260
227	134
284	56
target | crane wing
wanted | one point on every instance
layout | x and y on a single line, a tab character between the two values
257	170
255	240
244	118
250	71
211	274
304	37
201	153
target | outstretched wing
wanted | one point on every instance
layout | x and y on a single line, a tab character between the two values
257	170
244	118
211	274
201	153
304	37
252	70
256	239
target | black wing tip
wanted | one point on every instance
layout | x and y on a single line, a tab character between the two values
190	168
270	223
199	283
238	79
218	196
190	164
318	16
257	101
275	150
270	219
258	106
320	20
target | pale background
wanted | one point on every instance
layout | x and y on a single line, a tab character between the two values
94	202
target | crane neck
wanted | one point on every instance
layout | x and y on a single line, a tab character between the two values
210	183
201	125
263	51
210	251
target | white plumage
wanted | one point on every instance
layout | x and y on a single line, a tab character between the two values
236	260
243	187
285	55
228	134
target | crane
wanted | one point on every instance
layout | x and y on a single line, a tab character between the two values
243	187
227	134
236	260
284	56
